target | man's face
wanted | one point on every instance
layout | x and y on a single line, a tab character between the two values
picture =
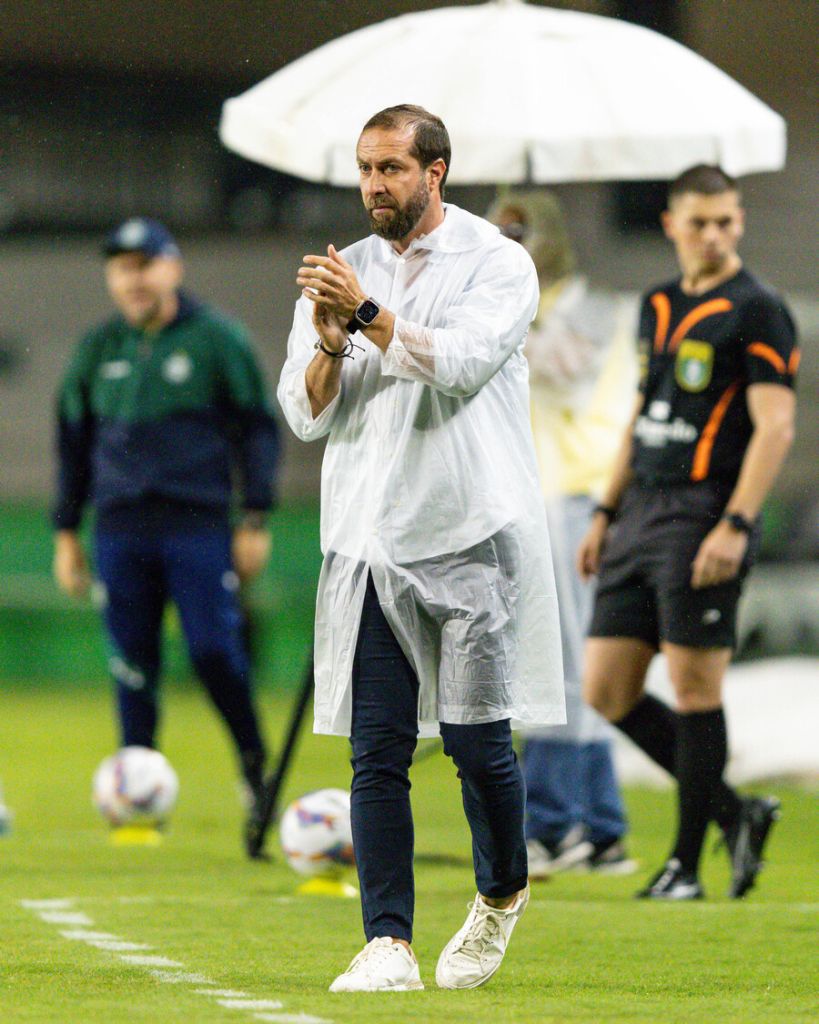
705	230
142	286
394	186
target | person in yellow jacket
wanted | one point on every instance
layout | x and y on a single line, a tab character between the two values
583	371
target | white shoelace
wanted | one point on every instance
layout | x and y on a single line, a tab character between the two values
481	934
372	956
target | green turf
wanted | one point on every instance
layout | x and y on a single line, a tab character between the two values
584	951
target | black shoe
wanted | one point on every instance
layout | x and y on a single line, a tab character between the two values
746	840
672	883
255	826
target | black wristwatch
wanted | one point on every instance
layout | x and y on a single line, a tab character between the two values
365	313
739	522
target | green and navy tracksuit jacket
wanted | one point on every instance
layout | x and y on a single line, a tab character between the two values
164	421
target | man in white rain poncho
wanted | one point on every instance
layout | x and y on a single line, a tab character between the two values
436	602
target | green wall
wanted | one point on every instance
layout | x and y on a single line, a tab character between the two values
46	638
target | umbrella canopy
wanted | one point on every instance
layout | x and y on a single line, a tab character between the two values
528	94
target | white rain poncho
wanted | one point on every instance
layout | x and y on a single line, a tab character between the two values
429	483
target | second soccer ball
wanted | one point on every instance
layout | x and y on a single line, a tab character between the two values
315	832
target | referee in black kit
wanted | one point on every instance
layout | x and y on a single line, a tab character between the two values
676	532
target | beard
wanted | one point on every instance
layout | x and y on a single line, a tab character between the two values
402	219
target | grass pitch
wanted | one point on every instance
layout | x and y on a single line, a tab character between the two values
585	951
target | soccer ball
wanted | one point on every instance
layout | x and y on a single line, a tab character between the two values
315	832
136	785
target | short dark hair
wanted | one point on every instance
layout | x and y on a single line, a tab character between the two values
704	179
430	137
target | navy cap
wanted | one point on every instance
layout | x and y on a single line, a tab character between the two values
141	234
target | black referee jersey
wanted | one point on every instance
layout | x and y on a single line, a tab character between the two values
701	353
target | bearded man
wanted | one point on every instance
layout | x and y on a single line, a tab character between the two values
436	607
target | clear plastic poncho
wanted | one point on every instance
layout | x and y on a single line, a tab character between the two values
429	483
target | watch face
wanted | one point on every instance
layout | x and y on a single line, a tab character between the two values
367	311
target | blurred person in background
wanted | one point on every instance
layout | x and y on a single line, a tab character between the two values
582	374
677	529
436	606
162	416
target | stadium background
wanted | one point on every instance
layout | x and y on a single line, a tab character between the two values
111	110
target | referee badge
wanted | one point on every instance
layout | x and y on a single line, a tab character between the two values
694	365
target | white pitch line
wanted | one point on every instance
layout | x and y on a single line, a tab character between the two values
64	917
251	1004
150	961
57	911
181	978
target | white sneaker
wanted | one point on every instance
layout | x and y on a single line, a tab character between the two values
572	853
381	966
475	952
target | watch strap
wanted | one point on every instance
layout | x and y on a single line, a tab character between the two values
739	522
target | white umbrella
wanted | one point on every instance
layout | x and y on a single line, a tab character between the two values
529	94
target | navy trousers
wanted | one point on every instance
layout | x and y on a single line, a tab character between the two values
141	571
384	735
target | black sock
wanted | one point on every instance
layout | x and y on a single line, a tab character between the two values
702	751
652	725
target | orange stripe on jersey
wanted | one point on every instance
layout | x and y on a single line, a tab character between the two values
697	313
662	308
759	348
793	362
705	445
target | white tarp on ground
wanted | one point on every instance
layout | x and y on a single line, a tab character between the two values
773	722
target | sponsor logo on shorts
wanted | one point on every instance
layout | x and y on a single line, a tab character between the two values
694	365
711	616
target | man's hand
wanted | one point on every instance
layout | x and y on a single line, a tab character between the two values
70	564
329	281
331	330
719	556
591	547
251	550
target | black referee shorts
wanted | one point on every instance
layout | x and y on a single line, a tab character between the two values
644	588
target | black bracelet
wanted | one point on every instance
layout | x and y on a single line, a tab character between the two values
333	355
345	353
606	510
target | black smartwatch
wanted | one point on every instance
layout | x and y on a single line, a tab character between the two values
365	313
739	522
